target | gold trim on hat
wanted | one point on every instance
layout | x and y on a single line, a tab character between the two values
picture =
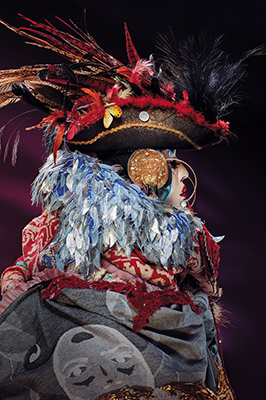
135	125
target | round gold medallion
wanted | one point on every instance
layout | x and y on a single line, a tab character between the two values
148	167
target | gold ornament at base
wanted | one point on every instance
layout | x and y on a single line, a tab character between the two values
148	167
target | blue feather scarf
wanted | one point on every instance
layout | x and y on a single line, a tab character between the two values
99	208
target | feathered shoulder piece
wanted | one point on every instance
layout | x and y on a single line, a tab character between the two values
95	103
99	208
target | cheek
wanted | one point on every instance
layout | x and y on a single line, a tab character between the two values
174	197
176	185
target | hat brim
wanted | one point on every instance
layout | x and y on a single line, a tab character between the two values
163	129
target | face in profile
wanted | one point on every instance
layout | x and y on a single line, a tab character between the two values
178	188
174	192
95	359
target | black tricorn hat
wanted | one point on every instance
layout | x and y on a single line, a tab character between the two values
97	104
144	127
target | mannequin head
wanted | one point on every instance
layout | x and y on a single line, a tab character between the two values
178	188
174	191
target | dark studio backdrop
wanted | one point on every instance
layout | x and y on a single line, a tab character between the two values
230	196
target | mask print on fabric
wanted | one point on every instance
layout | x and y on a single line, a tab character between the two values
13	355
95	359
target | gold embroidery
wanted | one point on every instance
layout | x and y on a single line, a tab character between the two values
136	125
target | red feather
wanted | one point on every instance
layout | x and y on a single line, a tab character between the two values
142	68
132	54
64	36
97	99
72	45
58	140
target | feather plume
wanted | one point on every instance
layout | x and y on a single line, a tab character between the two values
125	94
200	67
24	91
15	149
65	44
25	74
1	134
7	148
54	87
76	48
110	93
67	71
140	71
132	54
58	140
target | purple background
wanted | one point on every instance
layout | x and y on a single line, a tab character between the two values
231	178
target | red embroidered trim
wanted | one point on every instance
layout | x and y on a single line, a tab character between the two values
145	303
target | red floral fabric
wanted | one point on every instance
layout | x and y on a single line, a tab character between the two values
36	236
204	263
14	275
138	266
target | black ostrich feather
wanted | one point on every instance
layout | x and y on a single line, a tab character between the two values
23	91
199	66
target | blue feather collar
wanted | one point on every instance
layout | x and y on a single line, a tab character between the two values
99	208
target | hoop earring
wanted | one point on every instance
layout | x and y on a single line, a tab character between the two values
193	194
194	184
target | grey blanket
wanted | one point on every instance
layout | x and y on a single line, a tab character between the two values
81	346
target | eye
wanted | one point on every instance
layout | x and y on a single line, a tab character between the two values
127	371
174	164
77	371
120	359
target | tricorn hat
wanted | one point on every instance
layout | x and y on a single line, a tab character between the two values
95	103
